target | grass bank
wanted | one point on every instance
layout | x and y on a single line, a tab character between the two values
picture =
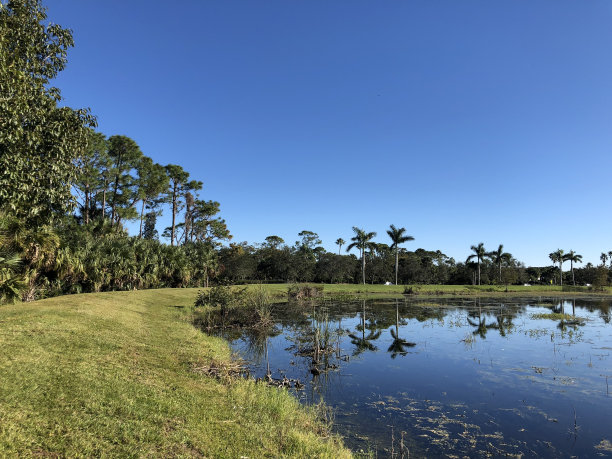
114	374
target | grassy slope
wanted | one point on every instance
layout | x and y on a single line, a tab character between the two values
111	375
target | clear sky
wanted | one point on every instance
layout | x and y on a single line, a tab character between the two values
463	121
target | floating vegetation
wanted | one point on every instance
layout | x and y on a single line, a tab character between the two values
558	316
604	445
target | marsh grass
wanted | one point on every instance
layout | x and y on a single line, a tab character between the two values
115	374
556	316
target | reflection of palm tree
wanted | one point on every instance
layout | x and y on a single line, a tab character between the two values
399	345
481	325
363	342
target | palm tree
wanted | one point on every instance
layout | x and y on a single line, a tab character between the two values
363	241
573	257
558	257
479	254
340	242
498	257
397	237
603	257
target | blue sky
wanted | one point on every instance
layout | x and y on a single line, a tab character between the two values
464	122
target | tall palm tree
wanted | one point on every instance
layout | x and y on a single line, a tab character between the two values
573	257
558	257
397	237
498	257
340	242
479	254
363	241
603	257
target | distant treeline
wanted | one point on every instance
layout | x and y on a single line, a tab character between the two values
275	261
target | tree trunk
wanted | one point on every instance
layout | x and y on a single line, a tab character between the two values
141	214
104	201
396	264
363	265
479	271
572	268
86	212
173	214
561	273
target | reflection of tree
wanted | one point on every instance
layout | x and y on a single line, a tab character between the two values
399	345
503	322
364	343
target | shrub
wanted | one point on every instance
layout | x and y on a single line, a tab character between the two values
302	292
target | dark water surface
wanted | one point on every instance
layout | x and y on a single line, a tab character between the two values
451	377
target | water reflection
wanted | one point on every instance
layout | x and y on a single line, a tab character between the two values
512	391
399	346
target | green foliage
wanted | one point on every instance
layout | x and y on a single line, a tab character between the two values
222	297
601	277
39	141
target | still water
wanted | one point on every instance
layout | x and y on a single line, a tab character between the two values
460	377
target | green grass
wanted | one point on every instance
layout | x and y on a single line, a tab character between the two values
556	316
112	375
279	291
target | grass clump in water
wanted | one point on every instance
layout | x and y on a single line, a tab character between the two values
555	316
304	291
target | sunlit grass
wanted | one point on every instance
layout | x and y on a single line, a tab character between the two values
279	291
111	374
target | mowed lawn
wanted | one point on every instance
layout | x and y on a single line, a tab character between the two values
114	374
279	291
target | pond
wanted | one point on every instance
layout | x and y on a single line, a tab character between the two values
454	377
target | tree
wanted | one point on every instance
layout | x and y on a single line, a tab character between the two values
362	241
309	241
340	242
152	182
604	258
558	257
479	254
125	157
39	141
93	165
179	184
274	242
498	257
205	228
149	231
573	257
397	237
